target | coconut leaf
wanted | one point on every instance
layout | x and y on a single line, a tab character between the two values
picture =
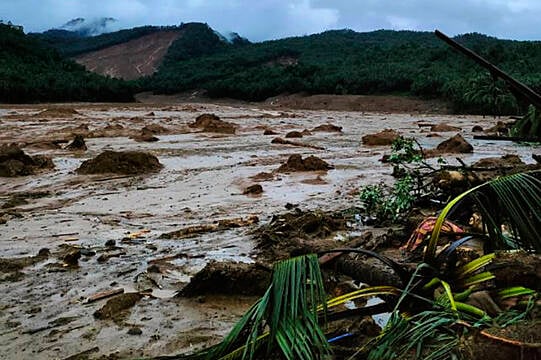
513	200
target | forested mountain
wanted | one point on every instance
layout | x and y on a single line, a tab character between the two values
333	62
347	62
31	71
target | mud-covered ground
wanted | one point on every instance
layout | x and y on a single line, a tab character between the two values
115	221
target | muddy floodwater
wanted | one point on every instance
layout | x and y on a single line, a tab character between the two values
117	220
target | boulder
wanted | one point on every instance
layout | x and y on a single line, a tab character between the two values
385	137
124	162
310	163
212	123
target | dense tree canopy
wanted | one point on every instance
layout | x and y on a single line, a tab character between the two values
31	71
347	62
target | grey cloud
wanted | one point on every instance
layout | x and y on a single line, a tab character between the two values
271	19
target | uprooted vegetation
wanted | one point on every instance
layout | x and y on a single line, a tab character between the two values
458	294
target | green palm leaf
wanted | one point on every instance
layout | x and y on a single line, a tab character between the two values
513	200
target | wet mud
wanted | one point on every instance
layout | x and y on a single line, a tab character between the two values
105	232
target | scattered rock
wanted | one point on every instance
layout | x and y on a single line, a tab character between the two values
328	128
72	257
444	128
150	114
135	331
477	128
495	162
306	132
310	163
433	135
128	162
10	268
228	278
385	137
455	145
263	176
293	134
269	132
253	190
110	243
155	129
145	135
500	128
114	307
14	162
212	123
77	144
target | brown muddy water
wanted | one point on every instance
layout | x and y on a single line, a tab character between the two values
44	313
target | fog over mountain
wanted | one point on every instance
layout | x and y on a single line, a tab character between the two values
272	19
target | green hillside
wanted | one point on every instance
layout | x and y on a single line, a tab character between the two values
30	71
347	62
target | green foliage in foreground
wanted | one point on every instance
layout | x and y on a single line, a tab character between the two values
32	72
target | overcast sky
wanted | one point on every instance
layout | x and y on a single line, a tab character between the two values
271	19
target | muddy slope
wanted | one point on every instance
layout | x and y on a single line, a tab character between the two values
132	59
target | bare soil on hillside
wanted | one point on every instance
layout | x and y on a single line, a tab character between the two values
66	238
130	60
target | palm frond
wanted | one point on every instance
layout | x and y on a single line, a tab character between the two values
513	200
289	310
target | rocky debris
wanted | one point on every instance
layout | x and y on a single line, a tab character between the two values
310	163
269	132
61	112
455	145
218	225
500	128
297	232
477	128
537	158
145	135
14	162
14	201
228	278
430	135
499	162
150	114
10	268
279	140
126	162
115	307
293	134
155	129
71	258
135	330
443	127
385	137
255	189
77	144
327	128
212	123
306	132
263	176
